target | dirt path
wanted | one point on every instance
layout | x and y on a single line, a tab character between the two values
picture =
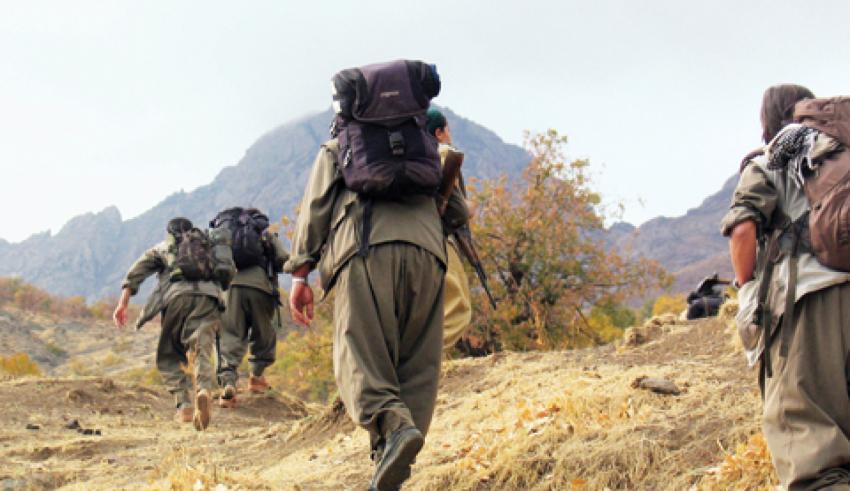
555	420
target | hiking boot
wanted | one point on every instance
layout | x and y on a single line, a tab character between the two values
201	418
258	384
183	414
228	397
394	467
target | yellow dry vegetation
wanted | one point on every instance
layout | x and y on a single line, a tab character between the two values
19	365
669	304
514	421
147	376
572	420
180	472
748	467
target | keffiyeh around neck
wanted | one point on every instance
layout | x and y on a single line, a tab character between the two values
793	150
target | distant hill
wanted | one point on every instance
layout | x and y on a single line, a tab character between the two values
91	253
690	246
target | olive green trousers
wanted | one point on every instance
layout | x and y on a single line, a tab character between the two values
247	322
388	333
189	326
807	400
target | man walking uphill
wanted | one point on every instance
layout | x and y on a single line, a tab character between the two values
191	268
801	298
369	223
251	300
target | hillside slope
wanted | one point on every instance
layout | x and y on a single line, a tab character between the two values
557	420
689	246
91	253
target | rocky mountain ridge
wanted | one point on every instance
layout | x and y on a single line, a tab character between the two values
689	246
92	252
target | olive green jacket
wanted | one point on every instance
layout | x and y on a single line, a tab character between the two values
329	224
155	261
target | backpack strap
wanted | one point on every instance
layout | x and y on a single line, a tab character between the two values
767	259
796	231
366	228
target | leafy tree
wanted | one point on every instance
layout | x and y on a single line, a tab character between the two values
541	239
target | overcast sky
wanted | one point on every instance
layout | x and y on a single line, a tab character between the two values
122	103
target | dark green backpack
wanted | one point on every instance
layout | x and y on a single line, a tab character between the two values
193	259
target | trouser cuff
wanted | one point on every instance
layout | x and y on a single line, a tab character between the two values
257	370
181	398
391	421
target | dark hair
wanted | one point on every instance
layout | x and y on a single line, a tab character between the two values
179	225
436	120
777	107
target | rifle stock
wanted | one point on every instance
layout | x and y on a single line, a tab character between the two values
451	171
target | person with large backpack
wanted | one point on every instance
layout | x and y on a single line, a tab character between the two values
369	223
192	266
252	300
457	299
789	228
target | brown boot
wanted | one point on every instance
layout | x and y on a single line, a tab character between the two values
258	385
183	414
203	404
228	397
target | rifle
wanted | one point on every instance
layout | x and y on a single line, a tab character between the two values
463	236
451	172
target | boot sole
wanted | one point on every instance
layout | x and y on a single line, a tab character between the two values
397	470
201	417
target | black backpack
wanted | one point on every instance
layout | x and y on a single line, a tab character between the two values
246	227
385	149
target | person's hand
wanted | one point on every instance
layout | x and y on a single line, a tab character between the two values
301	302
119	317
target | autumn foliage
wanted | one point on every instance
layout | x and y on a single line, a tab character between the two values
18	365
17	293
541	239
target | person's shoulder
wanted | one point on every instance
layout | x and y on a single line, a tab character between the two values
160	248
756	157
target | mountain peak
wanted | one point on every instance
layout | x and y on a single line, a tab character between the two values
92	252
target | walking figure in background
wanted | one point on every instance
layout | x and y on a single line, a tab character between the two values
192	267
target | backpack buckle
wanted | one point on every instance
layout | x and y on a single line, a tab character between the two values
397	143
346	161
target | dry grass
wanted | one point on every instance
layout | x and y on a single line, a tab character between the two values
537	421
181	471
584	429
147	376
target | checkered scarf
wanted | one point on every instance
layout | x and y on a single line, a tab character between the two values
792	151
